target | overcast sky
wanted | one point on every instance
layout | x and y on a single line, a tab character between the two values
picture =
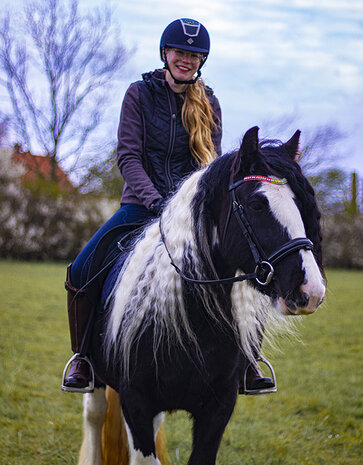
269	59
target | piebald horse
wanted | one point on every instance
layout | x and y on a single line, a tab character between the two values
236	252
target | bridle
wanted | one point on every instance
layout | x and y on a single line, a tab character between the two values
264	265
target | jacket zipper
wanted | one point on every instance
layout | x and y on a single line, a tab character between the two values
171	142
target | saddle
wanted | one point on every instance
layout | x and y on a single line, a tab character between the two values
110	254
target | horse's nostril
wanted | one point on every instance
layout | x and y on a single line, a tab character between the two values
304	300
291	305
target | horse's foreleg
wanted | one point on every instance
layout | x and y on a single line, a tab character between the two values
141	438
208	430
94	410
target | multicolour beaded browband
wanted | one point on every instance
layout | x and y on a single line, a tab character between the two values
265	179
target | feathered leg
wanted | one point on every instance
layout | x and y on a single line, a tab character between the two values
94	410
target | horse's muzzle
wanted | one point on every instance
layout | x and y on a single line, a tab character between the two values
305	305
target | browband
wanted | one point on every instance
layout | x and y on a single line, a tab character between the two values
256	177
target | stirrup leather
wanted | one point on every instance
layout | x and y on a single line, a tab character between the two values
257	392
85	390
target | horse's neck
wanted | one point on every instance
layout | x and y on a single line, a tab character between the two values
200	317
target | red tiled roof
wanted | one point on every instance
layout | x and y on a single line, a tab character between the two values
38	166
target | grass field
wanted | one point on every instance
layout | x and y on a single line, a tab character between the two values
314	418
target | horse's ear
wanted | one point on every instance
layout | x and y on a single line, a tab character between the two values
248	150
250	141
292	146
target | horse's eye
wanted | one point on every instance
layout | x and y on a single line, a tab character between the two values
256	205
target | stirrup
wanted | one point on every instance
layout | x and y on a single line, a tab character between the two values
257	392
91	385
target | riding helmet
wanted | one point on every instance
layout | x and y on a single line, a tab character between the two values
186	34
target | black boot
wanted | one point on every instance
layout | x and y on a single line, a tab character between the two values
80	377
254	383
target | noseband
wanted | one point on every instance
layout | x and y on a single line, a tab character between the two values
264	265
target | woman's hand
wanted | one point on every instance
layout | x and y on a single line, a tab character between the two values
157	207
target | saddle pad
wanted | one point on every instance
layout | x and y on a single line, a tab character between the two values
110	254
112	277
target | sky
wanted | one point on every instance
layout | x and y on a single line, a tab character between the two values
299	61
270	60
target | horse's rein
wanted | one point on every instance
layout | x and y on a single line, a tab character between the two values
201	281
264	270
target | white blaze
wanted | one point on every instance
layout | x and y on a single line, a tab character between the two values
284	209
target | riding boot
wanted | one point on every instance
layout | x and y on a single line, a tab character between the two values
253	382
80	373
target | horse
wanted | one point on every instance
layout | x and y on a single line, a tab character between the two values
236	252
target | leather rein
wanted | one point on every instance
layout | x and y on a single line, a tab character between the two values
264	266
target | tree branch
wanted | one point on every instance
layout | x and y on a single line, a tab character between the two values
74	58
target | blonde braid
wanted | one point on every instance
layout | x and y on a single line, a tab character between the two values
197	117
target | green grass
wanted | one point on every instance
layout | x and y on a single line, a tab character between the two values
315	417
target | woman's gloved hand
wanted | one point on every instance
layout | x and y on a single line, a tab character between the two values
157	207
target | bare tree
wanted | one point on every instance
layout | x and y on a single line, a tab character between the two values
4	123
320	149
57	66
319	144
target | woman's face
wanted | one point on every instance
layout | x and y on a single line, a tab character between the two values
183	65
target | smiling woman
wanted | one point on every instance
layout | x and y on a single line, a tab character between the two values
182	66
170	126
189	41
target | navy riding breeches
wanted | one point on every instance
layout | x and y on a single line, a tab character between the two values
127	213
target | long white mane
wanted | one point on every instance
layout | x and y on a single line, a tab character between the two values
149	290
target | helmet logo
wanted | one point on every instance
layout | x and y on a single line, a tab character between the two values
190	27
190	41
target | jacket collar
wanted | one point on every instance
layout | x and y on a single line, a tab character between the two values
155	79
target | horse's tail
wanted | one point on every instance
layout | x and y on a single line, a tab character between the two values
114	438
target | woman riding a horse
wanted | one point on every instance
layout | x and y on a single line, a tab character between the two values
170	126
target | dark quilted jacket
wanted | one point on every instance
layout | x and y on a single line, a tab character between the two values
153	147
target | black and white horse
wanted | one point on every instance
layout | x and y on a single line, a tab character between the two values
237	248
